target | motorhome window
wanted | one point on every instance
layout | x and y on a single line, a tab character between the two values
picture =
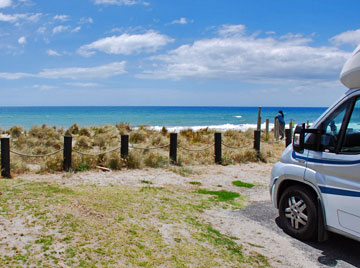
332	126
352	136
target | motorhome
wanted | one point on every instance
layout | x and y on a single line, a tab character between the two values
316	184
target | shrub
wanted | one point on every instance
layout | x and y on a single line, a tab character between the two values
114	161
74	129
155	160
54	163
84	132
133	161
164	131
83	142
123	127
18	166
16	131
138	137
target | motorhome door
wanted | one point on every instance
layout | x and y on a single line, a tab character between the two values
336	167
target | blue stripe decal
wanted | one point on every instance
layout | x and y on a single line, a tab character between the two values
323	161
327	190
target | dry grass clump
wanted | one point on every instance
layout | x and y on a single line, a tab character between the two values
194	147
123	128
52	163
18	166
202	136
84	132
73	130
155	160
16	131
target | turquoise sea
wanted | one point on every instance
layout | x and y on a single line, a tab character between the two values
156	116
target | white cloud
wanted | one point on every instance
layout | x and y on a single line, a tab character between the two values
43	87
41	30
14	76
349	37
250	58
75	30
83	84
61	17
228	30
180	21
60	29
103	71
120	2
270	32
75	73
22	40
127	44
5	3
86	20
13	18
51	52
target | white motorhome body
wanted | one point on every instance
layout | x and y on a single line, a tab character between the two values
316	183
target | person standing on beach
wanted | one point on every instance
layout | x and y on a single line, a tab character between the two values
280	118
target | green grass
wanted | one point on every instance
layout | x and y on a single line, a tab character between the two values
195	183
243	184
117	226
146	182
221	195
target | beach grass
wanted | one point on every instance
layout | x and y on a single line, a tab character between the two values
89	225
194	148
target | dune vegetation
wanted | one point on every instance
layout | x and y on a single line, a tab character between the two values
41	140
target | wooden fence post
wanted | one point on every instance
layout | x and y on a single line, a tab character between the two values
124	150
173	147
307	124
267	128
259	119
288	137
217	148
67	153
5	157
276	129
257	141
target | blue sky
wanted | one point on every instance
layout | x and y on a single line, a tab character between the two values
175	52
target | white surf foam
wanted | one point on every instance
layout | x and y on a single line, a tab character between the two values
222	128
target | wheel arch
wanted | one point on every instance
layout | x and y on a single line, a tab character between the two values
321	222
288	182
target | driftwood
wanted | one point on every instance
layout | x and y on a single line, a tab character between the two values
103	168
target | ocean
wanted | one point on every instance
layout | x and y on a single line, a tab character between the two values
174	118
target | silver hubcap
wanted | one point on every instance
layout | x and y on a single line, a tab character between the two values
296	212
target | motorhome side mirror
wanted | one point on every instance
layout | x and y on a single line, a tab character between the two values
298	139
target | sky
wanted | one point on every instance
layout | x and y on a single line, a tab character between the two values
175	52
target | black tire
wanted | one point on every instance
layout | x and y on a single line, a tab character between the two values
296	219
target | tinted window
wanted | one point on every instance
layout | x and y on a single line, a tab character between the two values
330	127
352	135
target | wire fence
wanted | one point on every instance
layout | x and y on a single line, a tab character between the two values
124	150
236	148
197	149
149	147
98	153
36	155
